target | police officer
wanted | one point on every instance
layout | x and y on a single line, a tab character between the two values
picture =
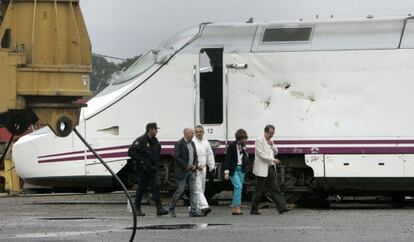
146	152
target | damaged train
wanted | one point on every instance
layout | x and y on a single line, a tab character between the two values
339	92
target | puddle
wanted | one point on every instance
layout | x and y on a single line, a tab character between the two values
177	226
66	218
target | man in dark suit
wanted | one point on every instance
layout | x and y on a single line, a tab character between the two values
186	165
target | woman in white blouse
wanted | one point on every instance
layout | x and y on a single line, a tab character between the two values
235	168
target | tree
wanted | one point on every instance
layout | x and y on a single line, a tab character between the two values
127	63
103	71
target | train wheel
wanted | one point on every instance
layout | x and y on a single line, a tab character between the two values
291	177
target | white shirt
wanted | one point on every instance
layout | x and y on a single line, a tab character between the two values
239	156
204	153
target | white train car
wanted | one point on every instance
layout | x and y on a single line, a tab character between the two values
340	93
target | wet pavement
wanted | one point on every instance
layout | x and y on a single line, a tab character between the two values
104	217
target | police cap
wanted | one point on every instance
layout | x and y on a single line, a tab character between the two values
152	126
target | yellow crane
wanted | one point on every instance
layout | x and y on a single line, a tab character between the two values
45	62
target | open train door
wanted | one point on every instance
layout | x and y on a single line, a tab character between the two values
210	106
210	111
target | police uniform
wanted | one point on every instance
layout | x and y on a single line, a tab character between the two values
146	152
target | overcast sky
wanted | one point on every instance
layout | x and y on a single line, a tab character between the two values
125	28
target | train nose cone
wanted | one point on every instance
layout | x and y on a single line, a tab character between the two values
24	155
26	151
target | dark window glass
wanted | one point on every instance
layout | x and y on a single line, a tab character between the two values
211	86
287	34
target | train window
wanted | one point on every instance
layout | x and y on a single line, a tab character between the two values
5	41
287	34
211	86
137	68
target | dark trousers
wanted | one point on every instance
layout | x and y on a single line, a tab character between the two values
152	180
272	184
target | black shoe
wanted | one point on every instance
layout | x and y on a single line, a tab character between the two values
206	210
197	214
161	211
285	210
255	212
172	213
140	213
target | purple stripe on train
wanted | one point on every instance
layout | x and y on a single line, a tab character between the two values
284	150
82	151
89	157
251	142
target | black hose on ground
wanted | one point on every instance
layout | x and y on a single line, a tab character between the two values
134	211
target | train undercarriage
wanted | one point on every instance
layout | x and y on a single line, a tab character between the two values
296	180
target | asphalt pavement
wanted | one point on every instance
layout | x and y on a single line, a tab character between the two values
104	217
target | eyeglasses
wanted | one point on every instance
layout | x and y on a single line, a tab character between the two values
198	132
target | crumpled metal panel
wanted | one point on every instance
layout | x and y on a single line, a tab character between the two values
332	94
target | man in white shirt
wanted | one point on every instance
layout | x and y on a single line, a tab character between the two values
265	170
205	158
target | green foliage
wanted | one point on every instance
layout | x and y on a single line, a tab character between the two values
127	63
104	70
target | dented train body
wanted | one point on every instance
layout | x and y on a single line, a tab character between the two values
338	91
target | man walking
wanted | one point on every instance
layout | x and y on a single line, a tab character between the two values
205	157
146	152
186	162
265	170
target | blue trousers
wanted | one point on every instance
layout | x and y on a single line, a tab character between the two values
237	180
